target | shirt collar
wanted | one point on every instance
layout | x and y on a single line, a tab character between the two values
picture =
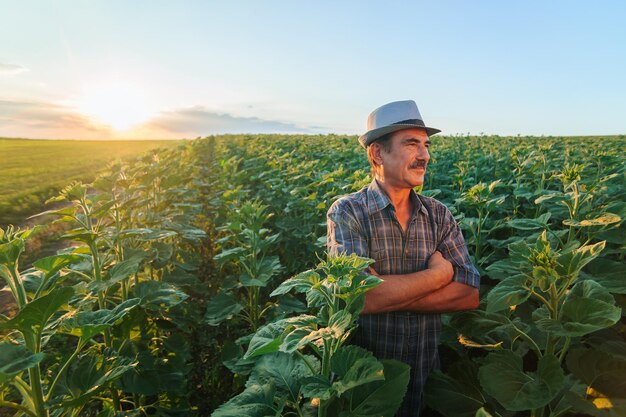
378	200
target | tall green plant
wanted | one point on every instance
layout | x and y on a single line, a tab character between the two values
46	308
542	310
249	244
303	365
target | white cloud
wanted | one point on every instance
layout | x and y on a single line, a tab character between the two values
198	121
45	120
11	69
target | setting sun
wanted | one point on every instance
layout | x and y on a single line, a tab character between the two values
120	105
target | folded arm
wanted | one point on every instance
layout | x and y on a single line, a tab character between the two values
453	297
398	291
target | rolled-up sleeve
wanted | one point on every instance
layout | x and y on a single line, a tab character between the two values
452	246
344	234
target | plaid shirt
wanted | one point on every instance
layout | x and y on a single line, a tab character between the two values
365	223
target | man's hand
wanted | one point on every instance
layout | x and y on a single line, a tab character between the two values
372	271
440	264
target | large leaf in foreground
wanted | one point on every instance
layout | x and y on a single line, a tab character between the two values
503	378
456	393
355	366
588	307
286	372
380	398
600	370
255	401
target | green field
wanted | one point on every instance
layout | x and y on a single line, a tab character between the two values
195	282
32	171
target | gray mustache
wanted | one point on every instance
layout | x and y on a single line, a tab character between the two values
418	163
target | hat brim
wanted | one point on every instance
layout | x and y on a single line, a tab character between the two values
366	139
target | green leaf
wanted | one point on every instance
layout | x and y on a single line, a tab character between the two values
457	393
479	323
11	251
599	406
503	378
507	293
267	339
157	295
80	235
300	283
317	387
52	264
550	196
501	269
571	262
380	398
588	307
146	235
604	220
87	324
34	316
232	358
355	366
15	359
267	268
254	401
90	375
228	255
117	273
599	369
481	412
538	223
286	372
608	273
222	306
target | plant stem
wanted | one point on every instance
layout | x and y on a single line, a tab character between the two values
34	374
542	299
17	407
20	297
529	340
306	362
564	349
79	347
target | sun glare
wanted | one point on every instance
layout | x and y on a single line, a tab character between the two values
120	105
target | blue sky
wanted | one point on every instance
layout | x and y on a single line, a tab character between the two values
110	69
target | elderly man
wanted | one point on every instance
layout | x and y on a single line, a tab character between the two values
417	246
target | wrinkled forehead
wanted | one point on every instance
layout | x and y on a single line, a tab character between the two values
411	133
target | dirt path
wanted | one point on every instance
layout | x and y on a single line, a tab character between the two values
7	303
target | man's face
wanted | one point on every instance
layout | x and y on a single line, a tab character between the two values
405	164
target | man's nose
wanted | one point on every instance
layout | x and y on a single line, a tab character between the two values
423	154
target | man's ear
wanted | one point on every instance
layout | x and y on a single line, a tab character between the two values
376	151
